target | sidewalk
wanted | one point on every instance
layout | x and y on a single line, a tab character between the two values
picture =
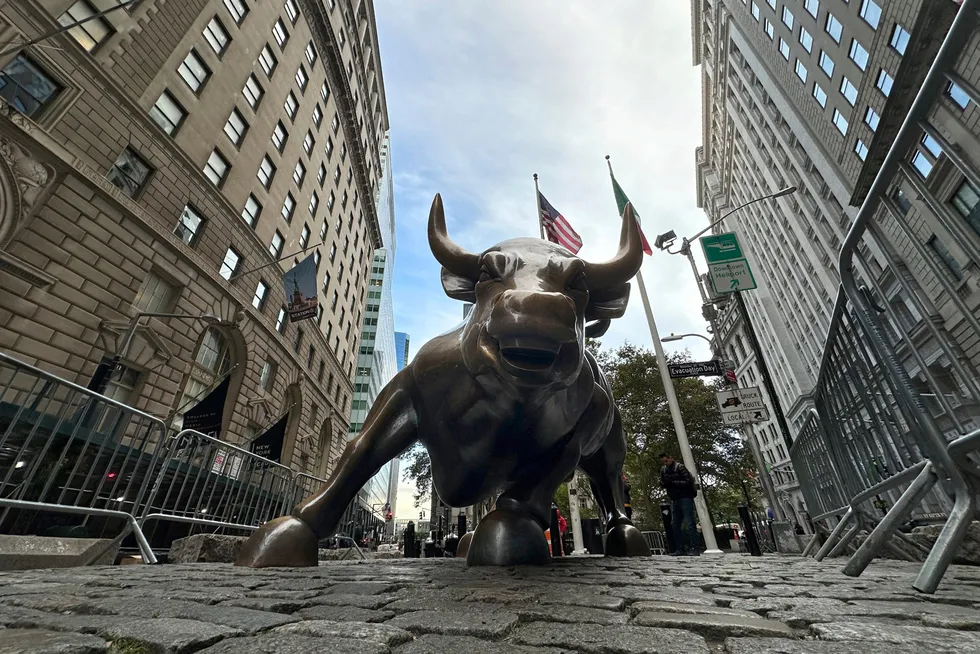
734	603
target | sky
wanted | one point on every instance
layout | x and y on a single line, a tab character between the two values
483	94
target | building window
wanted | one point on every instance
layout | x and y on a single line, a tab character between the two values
292	11
784	48
217	168
787	18
267	171
805	39
858	54
333	301
324	92
931	145
820	95
801	71
261	292
252	210
871	118
310	53
26	87
849	91
281	320
291	106
940	249
280	33
966	201
167	113
331	199
861	149
304	237
957	95
834	28
343	152
308	143
155	294
92	32
275	247
884	82
230	264
129	173
189	225
900	39
316	259
769	29
217	36
302	79
279	136
323	229
826	64
317	115
326	282
268	60
288	208
193	71
298	341
871	13
902	201
328	147
840	122
253	92
755	10
238	10
268	375
922	163
812	7
299	173
321	175
236	127
314	203
335	123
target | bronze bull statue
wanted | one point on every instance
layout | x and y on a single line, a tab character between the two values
510	401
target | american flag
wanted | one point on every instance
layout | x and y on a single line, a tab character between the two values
556	228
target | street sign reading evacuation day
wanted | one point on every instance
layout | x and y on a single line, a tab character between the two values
728	269
694	369
742	405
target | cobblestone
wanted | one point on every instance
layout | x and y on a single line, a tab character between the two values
587	605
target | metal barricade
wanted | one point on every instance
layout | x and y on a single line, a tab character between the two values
207	482
872	448
68	450
656	541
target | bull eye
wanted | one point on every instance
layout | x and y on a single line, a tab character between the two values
577	283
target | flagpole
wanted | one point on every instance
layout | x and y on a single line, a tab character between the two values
704	518
537	206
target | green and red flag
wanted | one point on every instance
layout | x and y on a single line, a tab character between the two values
621	202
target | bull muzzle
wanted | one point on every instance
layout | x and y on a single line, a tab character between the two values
535	332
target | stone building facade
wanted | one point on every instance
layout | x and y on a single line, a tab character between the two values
809	93
162	158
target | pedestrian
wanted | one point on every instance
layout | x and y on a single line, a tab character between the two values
681	490
627	504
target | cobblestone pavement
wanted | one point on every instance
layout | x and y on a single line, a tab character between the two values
733	604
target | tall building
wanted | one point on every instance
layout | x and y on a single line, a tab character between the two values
809	93
376	361
402	343
162	158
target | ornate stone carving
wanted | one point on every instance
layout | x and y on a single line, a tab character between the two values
23	181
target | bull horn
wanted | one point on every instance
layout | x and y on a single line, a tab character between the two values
627	261
452	257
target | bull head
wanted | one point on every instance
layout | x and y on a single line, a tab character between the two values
532	299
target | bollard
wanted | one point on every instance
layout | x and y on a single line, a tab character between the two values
750	538
461	524
409	547
667	515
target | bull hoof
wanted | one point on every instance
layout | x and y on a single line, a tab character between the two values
285	542
507	537
626	540
464	545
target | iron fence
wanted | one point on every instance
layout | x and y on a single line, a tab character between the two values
67	450
887	441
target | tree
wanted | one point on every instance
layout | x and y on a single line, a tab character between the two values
419	470
721	459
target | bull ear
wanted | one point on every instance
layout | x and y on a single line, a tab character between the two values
458	287
608	303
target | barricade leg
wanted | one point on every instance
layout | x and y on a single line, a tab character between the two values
900	511
809	546
834	535
946	545
848	537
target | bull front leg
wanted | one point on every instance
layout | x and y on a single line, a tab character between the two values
291	541
605	470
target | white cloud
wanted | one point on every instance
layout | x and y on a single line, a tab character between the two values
481	95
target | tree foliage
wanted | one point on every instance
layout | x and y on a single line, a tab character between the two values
719	454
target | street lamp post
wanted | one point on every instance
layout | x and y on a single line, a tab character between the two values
677	337
663	242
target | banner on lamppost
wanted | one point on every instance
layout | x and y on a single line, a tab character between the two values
299	282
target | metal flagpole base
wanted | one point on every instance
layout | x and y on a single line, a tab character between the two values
712	553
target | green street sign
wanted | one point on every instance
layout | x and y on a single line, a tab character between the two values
721	248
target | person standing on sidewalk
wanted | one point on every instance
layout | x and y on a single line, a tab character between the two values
681	490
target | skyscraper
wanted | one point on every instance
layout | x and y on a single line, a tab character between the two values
163	157
809	94
402	343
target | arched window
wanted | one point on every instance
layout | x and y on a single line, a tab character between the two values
211	364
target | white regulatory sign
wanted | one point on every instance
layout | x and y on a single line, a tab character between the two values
742	405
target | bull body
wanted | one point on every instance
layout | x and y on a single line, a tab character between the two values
509	402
